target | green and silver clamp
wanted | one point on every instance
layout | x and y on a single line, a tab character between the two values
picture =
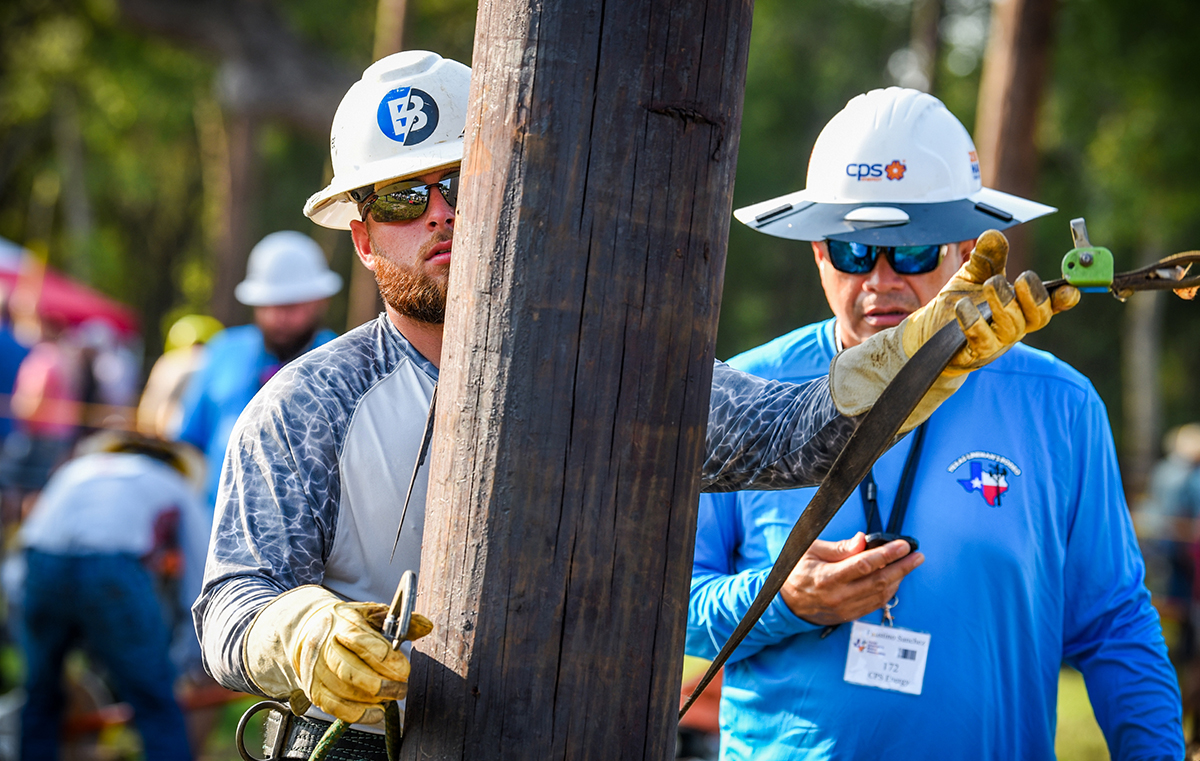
1089	268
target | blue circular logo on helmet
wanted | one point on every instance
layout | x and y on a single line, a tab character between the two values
408	115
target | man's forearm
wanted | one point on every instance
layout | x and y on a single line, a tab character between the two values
770	435
718	602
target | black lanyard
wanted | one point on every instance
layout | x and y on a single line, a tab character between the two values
868	490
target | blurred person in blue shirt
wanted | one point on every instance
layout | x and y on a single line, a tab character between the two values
288	283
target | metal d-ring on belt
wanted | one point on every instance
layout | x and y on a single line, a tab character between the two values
1087	267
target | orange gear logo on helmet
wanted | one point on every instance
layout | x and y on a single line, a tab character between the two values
895	170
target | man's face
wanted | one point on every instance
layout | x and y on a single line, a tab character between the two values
287	328
411	259
867	304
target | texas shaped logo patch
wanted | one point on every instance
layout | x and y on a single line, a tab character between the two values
987	474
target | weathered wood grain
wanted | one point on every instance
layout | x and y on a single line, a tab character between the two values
585	285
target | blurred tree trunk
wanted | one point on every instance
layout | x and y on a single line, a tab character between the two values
575	379
364	301
925	37
267	72
239	196
77	207
1141	357
1010	94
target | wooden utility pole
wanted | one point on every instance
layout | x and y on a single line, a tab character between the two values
593	221
1010	94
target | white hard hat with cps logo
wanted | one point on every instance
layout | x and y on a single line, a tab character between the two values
404	118
893	168
286	267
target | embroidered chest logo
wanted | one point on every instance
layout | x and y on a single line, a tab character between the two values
987	474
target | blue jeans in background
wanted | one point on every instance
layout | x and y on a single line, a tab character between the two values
105	602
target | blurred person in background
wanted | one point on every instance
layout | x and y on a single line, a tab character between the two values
288	283
12	353
1170	537
46	409
160	410
1166	518
110	372
113	555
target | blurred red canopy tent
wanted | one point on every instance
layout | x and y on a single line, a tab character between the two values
56	296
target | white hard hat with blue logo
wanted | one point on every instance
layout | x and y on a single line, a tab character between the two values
404	118
893	168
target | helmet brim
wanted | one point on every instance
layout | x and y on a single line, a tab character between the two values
798	217
257	294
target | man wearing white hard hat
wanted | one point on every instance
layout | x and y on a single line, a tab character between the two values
1011	490
288	283
307	517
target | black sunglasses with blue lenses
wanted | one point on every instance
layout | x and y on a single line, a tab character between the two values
860	258
407	199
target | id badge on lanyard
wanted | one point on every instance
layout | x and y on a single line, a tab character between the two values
887	657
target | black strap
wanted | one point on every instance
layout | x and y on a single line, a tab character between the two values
302	734
869	492
875	433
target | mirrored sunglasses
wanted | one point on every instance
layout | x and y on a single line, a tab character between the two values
860	258
408	199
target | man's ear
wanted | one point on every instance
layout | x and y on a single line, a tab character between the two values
362	243
964	250
818	253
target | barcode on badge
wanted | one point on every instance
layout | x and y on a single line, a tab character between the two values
908	655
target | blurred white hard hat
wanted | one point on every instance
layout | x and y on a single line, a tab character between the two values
286	267
404	118
893	168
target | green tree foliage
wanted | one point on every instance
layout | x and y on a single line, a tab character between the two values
102	123
97	126
102	149
1118	145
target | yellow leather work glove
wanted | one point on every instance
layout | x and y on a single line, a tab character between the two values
859	374
310	646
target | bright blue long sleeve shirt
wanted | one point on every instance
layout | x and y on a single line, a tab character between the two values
236	366
1013	585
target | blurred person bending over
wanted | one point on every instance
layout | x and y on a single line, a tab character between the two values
115	530
1027	555
320	461
288	283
